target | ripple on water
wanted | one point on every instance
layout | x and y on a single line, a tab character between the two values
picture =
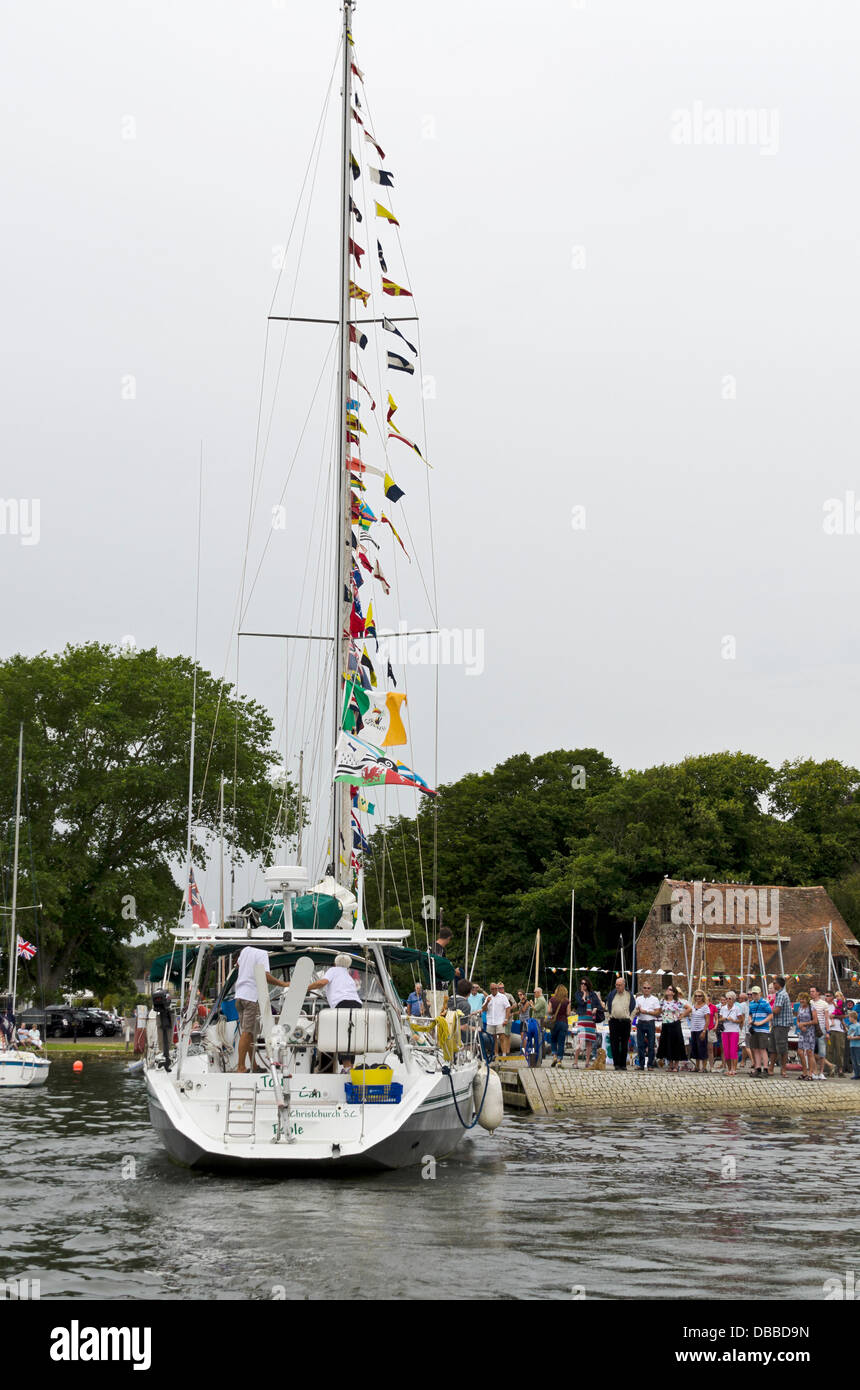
627	1206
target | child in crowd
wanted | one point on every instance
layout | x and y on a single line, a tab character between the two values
853	1031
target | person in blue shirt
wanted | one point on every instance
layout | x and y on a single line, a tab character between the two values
760	1016
853	1031
416	1005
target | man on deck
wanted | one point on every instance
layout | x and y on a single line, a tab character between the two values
248	1002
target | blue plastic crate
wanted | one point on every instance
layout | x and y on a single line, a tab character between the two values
374	1095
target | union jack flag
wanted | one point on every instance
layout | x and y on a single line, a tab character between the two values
198	911
25	949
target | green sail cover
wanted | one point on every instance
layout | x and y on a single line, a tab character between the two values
312	912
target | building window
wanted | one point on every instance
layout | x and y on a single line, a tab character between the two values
665	912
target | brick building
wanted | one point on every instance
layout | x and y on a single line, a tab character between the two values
783	926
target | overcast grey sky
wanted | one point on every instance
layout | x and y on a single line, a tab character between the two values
663	333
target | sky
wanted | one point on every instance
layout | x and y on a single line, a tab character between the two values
631	236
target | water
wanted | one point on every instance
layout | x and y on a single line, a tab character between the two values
620	1207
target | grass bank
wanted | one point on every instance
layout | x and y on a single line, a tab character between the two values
101	1048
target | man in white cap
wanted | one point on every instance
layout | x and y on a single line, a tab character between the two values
341	991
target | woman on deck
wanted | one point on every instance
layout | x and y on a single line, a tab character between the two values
671	1047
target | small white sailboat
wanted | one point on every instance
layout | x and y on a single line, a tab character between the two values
19	1066
336	1085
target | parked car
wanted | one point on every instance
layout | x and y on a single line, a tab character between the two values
95	1023
55	1021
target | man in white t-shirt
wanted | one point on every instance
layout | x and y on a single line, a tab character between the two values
341	991
645	1014
247	1000
498	1015
823	1013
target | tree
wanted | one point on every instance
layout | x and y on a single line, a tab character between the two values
513	842
106	739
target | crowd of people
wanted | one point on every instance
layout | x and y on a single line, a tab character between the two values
727	1032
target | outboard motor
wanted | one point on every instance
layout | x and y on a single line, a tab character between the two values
163	1008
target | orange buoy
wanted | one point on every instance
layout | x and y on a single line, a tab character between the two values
77	1066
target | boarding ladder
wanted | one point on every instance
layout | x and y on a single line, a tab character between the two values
241	1121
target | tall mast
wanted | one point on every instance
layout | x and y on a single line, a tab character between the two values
221	895
340	797
188	863
13	932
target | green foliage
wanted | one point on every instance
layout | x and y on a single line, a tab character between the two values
513	842
106	738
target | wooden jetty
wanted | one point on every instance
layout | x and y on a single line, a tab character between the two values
545	1090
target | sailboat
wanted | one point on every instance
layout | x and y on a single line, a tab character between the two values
18	1066
333	1088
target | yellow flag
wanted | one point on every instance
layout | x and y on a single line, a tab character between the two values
396	733
383	212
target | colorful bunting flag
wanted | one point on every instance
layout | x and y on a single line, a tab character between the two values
382	266
356	117
356	336
382	177
368	664
365	766
392	406
370	626
355	211
392	491
384	518
399	364
359	839
392	328
383	723
377	574
389	287
357	251
356	292
353	164
359	466
370	140
394	433
359	382
357	71
389	216
391	675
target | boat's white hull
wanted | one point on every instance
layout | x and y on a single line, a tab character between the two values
18	1069
338	1138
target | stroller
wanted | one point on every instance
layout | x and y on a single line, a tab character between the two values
533	1043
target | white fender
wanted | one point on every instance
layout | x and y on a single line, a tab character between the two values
494	1108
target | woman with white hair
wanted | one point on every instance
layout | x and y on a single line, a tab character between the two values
731	1014
341	991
